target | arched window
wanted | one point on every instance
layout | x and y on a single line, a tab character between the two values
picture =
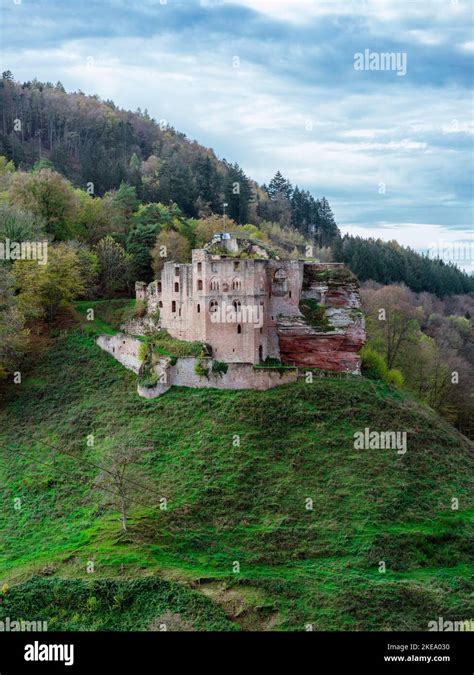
236	284
214	284
199	284
213	306
237	305
239	328
280	275
159	287
280	283
176	287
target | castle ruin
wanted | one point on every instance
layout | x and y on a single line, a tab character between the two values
248	306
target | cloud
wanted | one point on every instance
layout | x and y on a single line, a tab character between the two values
271	84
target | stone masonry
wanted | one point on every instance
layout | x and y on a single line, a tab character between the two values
248	305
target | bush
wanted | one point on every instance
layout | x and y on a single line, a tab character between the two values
143	351
202	369
373	364
375	368
140	308
395	378
147	378
219	368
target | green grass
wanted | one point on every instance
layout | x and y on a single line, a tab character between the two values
108	314
230	502
163	343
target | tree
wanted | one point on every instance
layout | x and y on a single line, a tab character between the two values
238	193
13	334
19	226
170	246
48	196
89	267
327	225
115	266
206	228
6	166
94	217
279	186
120	479
124	203
208	184
394	318
44	289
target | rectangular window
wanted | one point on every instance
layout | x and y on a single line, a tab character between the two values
176	271
176	287
173	306
199	267
199	284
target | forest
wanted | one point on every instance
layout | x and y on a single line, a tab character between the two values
109	188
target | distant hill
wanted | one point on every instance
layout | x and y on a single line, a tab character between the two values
284	528
99	146
91	141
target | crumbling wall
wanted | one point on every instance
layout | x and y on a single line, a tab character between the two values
122	347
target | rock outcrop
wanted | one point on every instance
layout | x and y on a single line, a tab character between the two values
330	330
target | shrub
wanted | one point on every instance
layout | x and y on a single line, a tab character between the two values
315	315
375	368
202	369
219	368
147	377
143	351
373	364
395	378
140	308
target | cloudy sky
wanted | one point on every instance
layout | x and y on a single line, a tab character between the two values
272	85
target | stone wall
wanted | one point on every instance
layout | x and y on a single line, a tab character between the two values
192	298
122	347
125	349
238	376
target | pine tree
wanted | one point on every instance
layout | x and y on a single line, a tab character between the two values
208	183
327	224
238	193
279	186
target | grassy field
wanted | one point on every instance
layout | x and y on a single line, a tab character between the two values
237	546
108	314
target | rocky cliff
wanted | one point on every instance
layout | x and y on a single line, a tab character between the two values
330	330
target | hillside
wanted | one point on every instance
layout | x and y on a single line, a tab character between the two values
228	503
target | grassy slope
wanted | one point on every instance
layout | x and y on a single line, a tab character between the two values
228	503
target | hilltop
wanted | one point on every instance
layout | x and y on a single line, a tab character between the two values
228	502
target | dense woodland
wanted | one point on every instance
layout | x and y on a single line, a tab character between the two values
108	189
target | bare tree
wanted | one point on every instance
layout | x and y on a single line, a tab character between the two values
122	480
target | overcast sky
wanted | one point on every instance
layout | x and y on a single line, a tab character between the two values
271	84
